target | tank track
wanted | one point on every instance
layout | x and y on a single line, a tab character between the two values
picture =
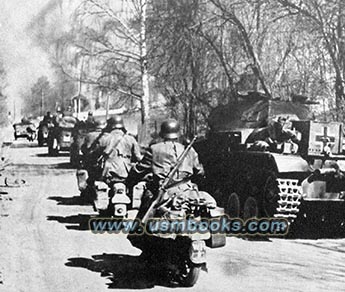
290	194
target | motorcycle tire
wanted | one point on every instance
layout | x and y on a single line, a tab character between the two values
52	151
104	213
74	161
188	273
40	139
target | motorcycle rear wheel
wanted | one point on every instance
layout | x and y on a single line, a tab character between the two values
188	273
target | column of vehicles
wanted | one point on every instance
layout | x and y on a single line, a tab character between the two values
176	255
183	253
61	132
296	174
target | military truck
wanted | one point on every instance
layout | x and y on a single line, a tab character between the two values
306	187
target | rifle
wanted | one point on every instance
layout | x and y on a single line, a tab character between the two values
167	180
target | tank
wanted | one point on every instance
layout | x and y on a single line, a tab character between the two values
304	184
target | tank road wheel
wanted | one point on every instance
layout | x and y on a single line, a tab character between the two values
233	206
250	209
270	197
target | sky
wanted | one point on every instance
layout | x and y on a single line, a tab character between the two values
24	61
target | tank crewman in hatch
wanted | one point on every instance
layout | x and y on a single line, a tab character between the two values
269	137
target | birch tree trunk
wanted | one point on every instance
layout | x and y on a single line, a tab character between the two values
145	99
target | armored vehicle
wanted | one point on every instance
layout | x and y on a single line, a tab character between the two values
305	184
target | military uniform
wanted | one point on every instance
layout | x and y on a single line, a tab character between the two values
91	155
119	151
160	158
268	137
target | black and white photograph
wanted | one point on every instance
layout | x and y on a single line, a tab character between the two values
172	145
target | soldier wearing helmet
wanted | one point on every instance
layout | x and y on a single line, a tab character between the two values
117	149
90	120
269	137
162	156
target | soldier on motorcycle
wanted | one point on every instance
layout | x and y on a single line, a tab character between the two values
90	157
117	149
171	196
48	118
108	157
161	157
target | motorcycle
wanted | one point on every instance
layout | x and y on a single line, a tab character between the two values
178	254
109	200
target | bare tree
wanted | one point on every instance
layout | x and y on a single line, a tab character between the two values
111	38
184	65
326	20
3	99
228	14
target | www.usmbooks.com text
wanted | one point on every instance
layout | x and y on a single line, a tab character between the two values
224	224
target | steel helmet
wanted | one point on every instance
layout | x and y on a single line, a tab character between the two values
115	122
170	129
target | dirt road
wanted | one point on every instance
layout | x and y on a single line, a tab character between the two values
45	245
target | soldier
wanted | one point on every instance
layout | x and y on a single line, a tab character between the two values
68	112
90	121
90	158
268	137
161	157
47	118
118	150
